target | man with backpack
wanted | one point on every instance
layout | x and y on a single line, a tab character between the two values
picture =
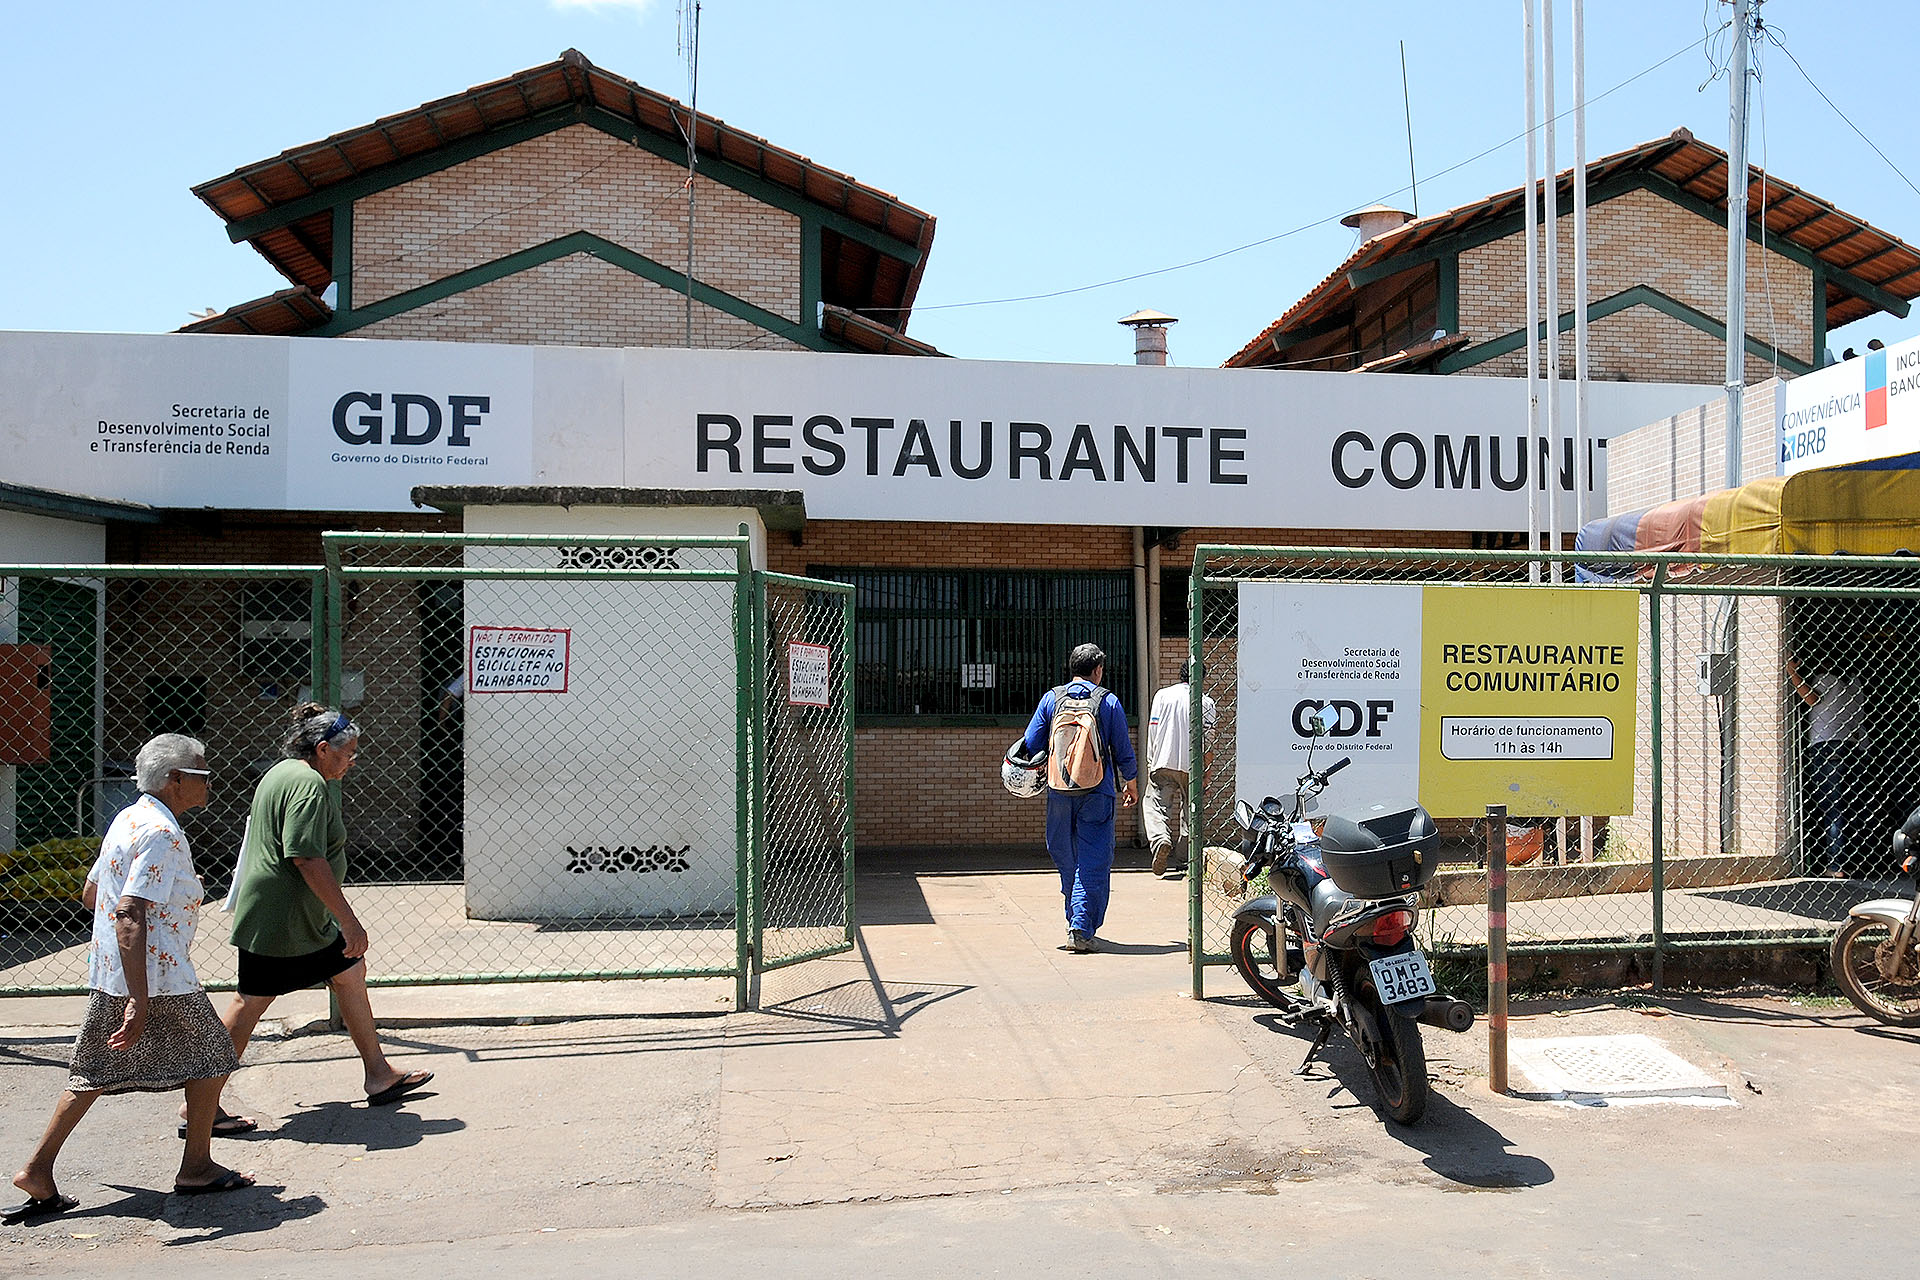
1083	731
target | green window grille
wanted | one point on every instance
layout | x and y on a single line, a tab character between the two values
978	645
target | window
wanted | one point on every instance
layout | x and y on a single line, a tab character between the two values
276	634
979	643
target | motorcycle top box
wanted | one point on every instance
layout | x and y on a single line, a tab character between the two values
1382	849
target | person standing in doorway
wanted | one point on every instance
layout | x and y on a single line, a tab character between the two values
1836	720
1169	738
1084	730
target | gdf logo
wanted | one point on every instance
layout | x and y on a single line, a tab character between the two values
1352	718
413	419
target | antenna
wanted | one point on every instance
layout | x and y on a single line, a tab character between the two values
1406	100
689	42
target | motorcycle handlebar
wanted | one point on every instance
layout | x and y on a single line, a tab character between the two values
1335	767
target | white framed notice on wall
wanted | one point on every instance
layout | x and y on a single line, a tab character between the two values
518	659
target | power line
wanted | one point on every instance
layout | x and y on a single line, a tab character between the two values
1294	231
1773	35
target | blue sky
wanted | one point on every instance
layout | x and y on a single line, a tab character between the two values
1059	145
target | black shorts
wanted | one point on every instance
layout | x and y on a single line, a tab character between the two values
276	975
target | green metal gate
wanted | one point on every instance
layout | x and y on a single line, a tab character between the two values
680	805
1746	829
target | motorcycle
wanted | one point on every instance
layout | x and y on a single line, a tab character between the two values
1876	954
1340	922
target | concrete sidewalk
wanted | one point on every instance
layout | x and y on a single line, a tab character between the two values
960	1077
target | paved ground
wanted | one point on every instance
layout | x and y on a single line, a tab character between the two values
963	1096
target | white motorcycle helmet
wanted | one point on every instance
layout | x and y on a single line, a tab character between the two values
1023	774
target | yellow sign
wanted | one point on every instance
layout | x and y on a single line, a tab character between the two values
1527	700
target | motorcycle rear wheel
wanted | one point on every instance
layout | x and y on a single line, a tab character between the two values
1254	944
1399	1069
1859	951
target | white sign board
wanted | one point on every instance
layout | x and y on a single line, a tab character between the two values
329	424
809	675
1856	411
1356	648
518	659
1458	696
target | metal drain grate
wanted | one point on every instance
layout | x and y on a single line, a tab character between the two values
1595	1069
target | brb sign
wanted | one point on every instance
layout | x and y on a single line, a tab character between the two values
370	420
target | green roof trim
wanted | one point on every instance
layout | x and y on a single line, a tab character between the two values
465	149
803	331
1639	295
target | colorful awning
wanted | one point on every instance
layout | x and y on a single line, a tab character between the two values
1869	510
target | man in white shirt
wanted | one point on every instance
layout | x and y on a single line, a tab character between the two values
1836	725
1169	763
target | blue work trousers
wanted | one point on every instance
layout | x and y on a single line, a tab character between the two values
1080	840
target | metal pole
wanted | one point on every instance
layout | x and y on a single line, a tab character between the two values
1657	775
327	694
1196	771
847	686
1736	236
1582	465
1406	100
746	656
1533	302
1550	472
1497	947
693	139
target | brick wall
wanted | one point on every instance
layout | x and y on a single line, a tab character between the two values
574	179
925	786
575	301
1641	238
256	537
1685	456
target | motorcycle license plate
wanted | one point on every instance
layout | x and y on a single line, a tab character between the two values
1402	977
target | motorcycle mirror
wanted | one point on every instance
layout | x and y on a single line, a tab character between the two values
1243	814
1325	720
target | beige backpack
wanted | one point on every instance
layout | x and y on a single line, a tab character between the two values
1076	756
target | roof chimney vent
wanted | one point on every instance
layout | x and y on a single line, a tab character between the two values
1376	220
1149	335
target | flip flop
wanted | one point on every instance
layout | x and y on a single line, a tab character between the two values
226	1126
400	1088
38	1207
231	1180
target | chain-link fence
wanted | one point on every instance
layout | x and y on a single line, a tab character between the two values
579	757
1774	747
96	660
804	880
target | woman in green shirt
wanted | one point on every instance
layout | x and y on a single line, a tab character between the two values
291	919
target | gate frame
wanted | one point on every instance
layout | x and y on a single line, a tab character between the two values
750	654
761	649
1655	585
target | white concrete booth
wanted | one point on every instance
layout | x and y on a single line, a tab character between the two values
601	715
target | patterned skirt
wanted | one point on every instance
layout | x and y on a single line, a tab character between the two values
184	1040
